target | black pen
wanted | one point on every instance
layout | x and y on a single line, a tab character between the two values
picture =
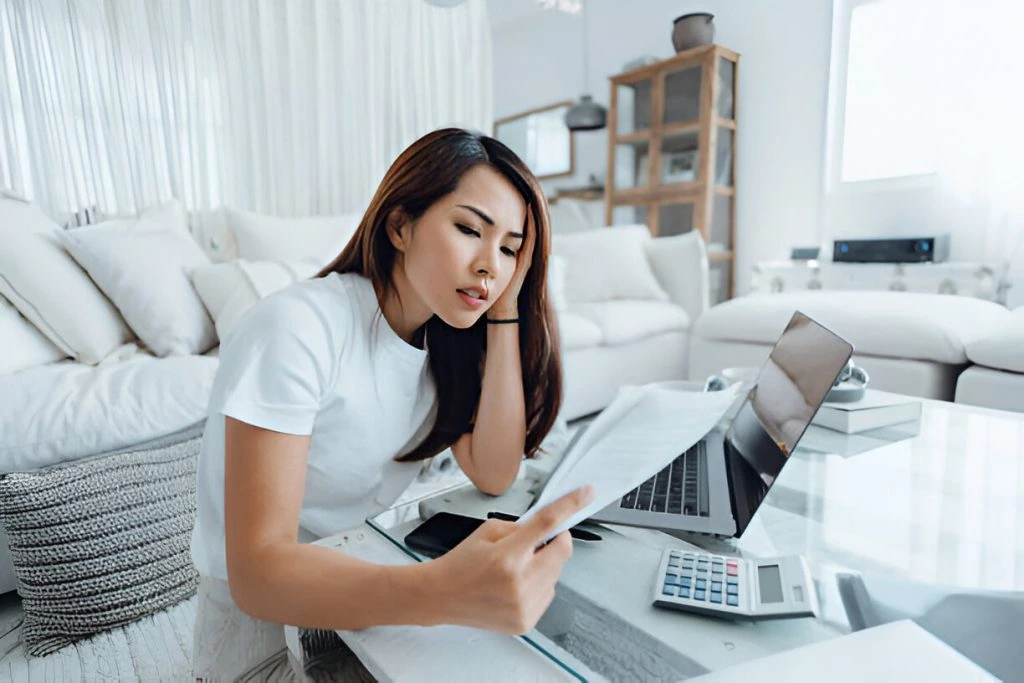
575	532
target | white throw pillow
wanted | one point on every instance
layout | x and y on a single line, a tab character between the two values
607	264
145	273
269	238
46	285
230	289
23	345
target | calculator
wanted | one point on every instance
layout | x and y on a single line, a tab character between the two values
735	588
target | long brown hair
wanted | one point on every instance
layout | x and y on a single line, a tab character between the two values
425	172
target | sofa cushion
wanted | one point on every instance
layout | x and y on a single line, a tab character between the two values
1004	348
932	327
46	285
306	238
608	263
144	270
624	322
577	332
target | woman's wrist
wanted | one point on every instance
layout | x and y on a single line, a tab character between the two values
425	593
502	314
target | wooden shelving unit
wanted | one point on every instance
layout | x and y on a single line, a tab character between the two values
672	153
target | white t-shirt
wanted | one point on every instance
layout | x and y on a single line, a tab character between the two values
318	358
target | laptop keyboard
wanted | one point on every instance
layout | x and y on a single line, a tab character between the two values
680	488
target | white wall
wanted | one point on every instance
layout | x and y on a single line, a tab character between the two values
784	48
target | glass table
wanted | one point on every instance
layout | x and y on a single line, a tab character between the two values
901	522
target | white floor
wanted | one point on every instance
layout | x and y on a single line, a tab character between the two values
157	648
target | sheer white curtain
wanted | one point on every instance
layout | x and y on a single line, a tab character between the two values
289	108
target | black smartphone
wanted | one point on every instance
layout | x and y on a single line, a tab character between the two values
441	533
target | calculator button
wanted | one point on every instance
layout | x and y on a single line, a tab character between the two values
702	584
675	554
733	571
684	581
732	580
716	586
687	564
732	589
668	589
671	578
698	595
716	597
684	592
733	601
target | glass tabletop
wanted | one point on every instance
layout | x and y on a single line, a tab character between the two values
901	522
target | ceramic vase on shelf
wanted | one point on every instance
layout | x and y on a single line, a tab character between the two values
693	30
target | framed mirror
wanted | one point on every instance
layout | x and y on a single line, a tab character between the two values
541	139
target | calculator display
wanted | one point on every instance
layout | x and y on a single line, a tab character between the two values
769	581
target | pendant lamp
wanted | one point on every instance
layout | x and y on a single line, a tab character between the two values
585	114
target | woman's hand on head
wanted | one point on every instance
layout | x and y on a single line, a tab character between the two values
507	305
498	579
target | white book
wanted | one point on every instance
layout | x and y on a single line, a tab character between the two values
876	409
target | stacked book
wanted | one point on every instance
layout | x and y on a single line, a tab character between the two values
877	409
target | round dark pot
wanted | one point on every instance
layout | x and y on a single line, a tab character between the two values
693	30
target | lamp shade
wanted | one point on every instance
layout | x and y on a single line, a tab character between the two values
586	115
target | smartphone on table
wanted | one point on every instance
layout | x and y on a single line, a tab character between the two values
442	532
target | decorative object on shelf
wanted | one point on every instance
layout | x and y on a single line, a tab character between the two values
693	30
639	62
586	114
541	139
679	167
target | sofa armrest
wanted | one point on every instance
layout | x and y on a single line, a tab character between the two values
680	263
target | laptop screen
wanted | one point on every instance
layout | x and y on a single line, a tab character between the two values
792	384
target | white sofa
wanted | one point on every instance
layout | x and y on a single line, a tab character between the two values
629	304
909	343
996	378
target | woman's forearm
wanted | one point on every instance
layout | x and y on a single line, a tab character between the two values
316	587
499	434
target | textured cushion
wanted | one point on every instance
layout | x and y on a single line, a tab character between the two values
230	289
310	238
24	346
145	273
46	285
577	332
623	322
932	327
100	543
607	264
1004	348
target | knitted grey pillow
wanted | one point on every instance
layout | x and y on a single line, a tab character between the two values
101	542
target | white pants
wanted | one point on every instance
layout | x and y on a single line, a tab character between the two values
230	645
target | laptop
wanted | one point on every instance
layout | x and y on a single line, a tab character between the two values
716	486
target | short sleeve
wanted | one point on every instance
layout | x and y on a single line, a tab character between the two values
276	366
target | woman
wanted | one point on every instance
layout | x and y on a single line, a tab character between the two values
431	329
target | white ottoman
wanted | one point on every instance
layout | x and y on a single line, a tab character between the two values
909	343
996	380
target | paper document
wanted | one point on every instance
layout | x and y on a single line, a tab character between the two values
643	430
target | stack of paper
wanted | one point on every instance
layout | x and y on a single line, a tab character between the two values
876	409
643	430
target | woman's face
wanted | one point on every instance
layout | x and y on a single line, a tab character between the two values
459	256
